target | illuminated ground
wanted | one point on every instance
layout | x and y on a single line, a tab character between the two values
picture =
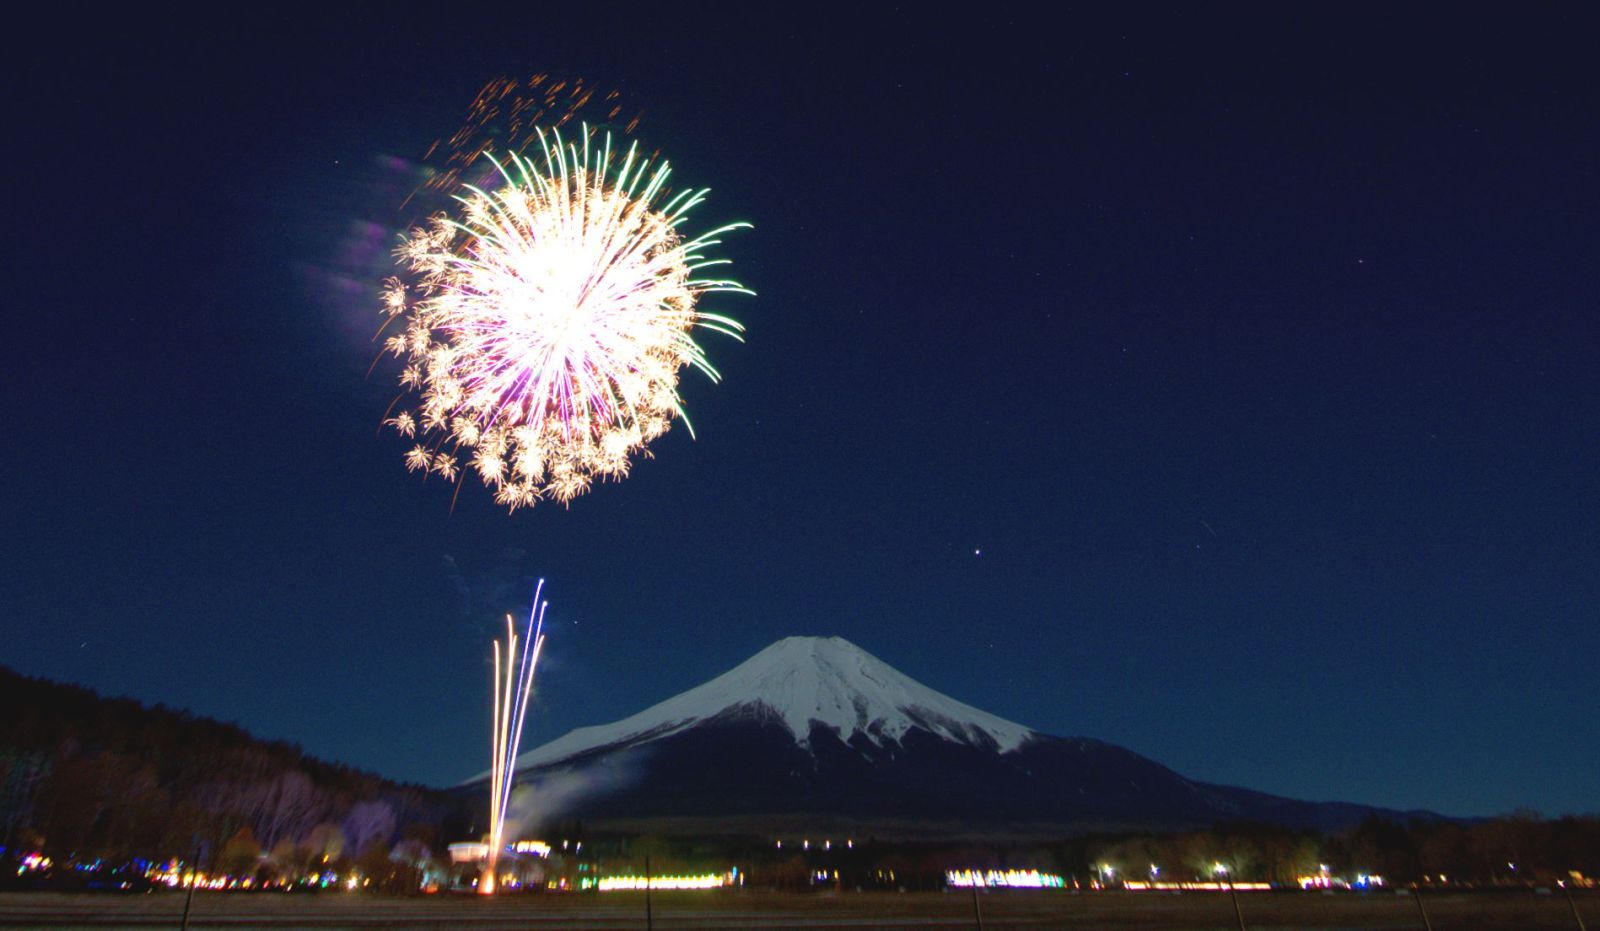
772	910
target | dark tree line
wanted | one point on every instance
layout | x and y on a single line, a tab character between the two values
1517	849
84	777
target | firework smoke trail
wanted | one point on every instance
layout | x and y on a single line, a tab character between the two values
513	686
549	320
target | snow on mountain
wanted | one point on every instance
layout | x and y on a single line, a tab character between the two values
800	680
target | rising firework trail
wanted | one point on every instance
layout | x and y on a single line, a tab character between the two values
513	685
544	323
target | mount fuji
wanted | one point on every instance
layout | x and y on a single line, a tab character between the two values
815	734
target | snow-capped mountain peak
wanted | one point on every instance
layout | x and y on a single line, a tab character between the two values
801	680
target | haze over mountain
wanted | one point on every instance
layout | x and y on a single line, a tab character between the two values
815	732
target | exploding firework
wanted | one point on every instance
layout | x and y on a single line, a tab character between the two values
513	685
548	319
507	115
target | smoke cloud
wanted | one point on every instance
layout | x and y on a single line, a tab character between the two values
557	794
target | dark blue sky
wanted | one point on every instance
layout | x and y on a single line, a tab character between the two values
1257	352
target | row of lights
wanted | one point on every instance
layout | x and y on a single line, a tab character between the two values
693	881
827	844
1003	879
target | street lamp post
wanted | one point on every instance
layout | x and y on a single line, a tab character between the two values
1232	894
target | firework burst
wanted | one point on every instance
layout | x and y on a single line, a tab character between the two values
545	323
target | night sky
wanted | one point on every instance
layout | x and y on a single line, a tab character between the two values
1221	384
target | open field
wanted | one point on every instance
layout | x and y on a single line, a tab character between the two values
246	911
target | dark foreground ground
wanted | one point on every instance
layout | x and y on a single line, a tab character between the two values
1195	910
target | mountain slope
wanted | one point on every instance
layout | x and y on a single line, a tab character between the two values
113	777
814	730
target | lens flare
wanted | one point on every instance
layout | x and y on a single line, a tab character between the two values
545	323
